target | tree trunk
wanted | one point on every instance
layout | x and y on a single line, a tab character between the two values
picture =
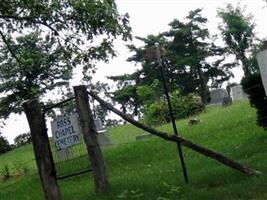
203	86
90	138
202	150
42	151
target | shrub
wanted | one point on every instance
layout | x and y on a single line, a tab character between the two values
22	139
183	106
4	145
5	171
253	86
21	168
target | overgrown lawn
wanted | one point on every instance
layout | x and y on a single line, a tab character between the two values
150	169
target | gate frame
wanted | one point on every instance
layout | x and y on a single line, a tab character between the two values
44	113
42	149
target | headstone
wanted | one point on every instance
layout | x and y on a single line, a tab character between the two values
237	93
217	96
227	100
98	124
193	121
143	137
102	136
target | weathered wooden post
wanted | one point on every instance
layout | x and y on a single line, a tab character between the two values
90	139
42	149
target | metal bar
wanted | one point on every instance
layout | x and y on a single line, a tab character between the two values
57	104
74	174
164	80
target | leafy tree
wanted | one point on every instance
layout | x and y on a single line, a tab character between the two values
254	88
66	34
143	86
98	110
112	122
188	53
126	94
22	139
192	61
4	145
237	30
42	69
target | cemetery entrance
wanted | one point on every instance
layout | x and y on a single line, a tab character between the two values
67	145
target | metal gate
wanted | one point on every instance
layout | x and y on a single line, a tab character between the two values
72	159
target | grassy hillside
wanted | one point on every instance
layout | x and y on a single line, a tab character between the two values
151	170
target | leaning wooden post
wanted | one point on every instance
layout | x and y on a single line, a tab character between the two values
90	138
42	149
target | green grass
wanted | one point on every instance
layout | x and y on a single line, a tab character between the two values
151	169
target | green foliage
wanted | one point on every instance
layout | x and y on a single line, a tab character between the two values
23	156
63	34
126	94
191	61
147	94
4	145
41	70
22	139
21	168
72	24
189	51
237	31
183	106
253	86
112	123
5	172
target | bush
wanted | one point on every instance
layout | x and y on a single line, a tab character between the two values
183	106
21	168
4	145
253	86
5	171
22	139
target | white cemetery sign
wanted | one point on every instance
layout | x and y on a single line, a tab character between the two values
262	61
66	131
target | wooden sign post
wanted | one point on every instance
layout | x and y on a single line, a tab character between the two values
42	149
90	138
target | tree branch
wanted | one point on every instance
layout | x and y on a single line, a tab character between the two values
9	48
44	23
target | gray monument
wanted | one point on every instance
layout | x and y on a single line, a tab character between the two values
102	136
237	93
219	96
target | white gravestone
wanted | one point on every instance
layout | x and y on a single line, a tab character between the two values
102	136
262	61
237	93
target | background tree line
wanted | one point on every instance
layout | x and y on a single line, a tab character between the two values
42	42
194	63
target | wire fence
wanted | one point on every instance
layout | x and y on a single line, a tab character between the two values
71	160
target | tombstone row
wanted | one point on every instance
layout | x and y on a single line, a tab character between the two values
222	96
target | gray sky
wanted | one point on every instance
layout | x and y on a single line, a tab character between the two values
152	17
